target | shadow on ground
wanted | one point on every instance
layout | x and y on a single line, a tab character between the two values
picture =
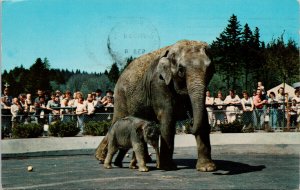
224	167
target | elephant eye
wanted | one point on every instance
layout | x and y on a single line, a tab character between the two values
181	71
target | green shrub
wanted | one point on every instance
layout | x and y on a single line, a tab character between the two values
234	127
97	128
64	129
29	130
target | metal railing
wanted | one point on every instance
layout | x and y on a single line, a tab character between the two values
268	118
272	117
7	120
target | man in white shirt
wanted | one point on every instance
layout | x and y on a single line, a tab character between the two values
232	101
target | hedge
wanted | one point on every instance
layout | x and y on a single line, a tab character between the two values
64	129
96	128
28	130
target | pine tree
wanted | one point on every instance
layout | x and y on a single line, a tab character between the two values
226	50
39	76
247	53
114	73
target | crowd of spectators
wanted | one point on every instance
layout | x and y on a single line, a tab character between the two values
55	106
278	111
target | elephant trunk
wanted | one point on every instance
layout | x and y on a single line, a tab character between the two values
196	90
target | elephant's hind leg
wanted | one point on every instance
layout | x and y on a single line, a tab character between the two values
101	150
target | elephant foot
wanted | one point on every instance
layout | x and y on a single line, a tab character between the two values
132	167
168	166
107	166
143	169
132	164
100	157
206	166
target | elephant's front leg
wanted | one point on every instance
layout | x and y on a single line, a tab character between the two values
204	162
139	151
167	143
111	152
133	161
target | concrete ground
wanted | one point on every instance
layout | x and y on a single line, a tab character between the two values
244	161
235	171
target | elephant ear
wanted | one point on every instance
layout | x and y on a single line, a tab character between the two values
164	70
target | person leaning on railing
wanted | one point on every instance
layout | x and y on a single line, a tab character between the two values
259	103
219	108
41	110
209	101
293	113
247	105
281	109
273	110
15	110
91	106
6	97
232	101
51	105
4	104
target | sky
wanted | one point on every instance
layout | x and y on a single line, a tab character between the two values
90	35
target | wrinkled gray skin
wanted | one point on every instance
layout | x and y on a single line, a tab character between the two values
162	86
132	132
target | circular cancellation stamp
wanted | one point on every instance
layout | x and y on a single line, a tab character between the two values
132	38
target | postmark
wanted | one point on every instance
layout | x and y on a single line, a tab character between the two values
132	37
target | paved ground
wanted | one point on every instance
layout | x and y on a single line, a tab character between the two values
236	170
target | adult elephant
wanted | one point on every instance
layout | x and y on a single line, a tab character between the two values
161	86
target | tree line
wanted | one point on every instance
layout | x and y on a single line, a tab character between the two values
41	76
240	58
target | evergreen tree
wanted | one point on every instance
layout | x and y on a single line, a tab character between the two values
258	57
38	77
114	73
247	53
256	39
17	80
226	50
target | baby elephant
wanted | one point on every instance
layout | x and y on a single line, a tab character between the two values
132	132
